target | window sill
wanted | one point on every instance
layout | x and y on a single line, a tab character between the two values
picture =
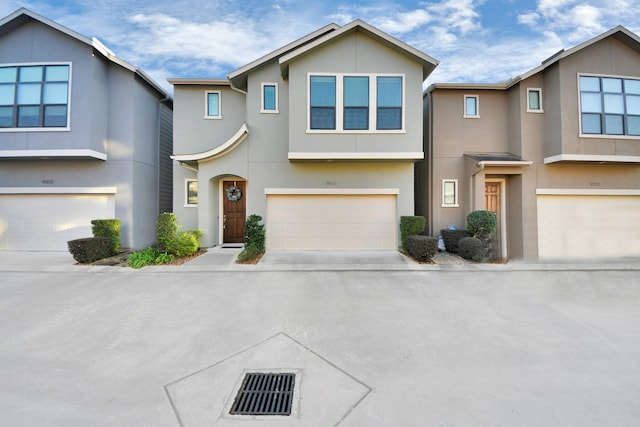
470	117
269	112
190	206
535	111
43	129
351	132
213	117
450	206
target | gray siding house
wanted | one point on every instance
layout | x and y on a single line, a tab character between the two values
83	135
318	137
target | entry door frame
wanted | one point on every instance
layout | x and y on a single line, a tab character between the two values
503	214
221	196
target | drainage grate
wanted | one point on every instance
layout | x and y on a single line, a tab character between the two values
264	394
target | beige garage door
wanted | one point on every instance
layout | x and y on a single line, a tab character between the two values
588	226
342	222
49	221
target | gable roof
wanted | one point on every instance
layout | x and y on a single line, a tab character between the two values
22	16
239	77
428	63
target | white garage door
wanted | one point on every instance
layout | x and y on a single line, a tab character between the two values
49	221
588	226
342	222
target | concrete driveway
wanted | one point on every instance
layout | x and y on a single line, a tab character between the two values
168	346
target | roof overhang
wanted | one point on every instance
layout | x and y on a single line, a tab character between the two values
75	154
497	159
590	158
216	152
353	156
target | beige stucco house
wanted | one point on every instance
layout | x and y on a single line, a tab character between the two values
555	152
319	137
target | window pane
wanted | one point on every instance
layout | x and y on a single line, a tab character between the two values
57	73
28	116
192	192
55	93
591	123
356	91
213	104
269	97
470	105
612	85
534	100
29	94
633	125
6	117
8	74
632	86
614	104
633	104
590	84
590	102
55	116
613	125
7	94
323	118
389	92
30	74
323	91
389	118
449	193
356	118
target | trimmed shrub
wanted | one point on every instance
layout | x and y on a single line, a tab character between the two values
166	229
451	239
90	249
254	232
471	248
107	228
481	223
422	248
410	225
182	245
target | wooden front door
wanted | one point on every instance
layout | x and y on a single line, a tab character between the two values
234	211
493	203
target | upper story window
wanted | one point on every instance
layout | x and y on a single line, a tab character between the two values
269	98
213	107
609	105
356	103
534	100
471	106
34	96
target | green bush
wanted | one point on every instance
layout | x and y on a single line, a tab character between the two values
182	245
107	228
481	223
422	248
90	249
410	225
254	232
249	254
166	229
451	239
143	257
472	248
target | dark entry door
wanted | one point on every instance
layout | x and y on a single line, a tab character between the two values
493	200
234	207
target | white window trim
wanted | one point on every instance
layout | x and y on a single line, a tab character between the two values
373	104
532	110
262	110
45	129
464	107
206	105
186	193
455	204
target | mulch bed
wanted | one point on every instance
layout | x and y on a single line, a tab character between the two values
120	260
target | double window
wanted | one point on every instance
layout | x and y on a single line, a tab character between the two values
609	105
34	96
356	102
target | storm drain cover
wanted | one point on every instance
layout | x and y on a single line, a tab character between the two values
264	394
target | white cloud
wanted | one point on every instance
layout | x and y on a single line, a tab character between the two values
403	22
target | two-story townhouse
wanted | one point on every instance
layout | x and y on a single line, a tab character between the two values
83	136
554	152
318	137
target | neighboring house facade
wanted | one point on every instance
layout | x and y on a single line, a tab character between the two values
83	135
554	152
318	137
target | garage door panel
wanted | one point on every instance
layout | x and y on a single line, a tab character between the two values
325	222
586	226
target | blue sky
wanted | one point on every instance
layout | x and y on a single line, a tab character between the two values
475	41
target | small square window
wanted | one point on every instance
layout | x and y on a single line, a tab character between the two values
534	100
212	107
191	195
471	106
450	193
269	98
